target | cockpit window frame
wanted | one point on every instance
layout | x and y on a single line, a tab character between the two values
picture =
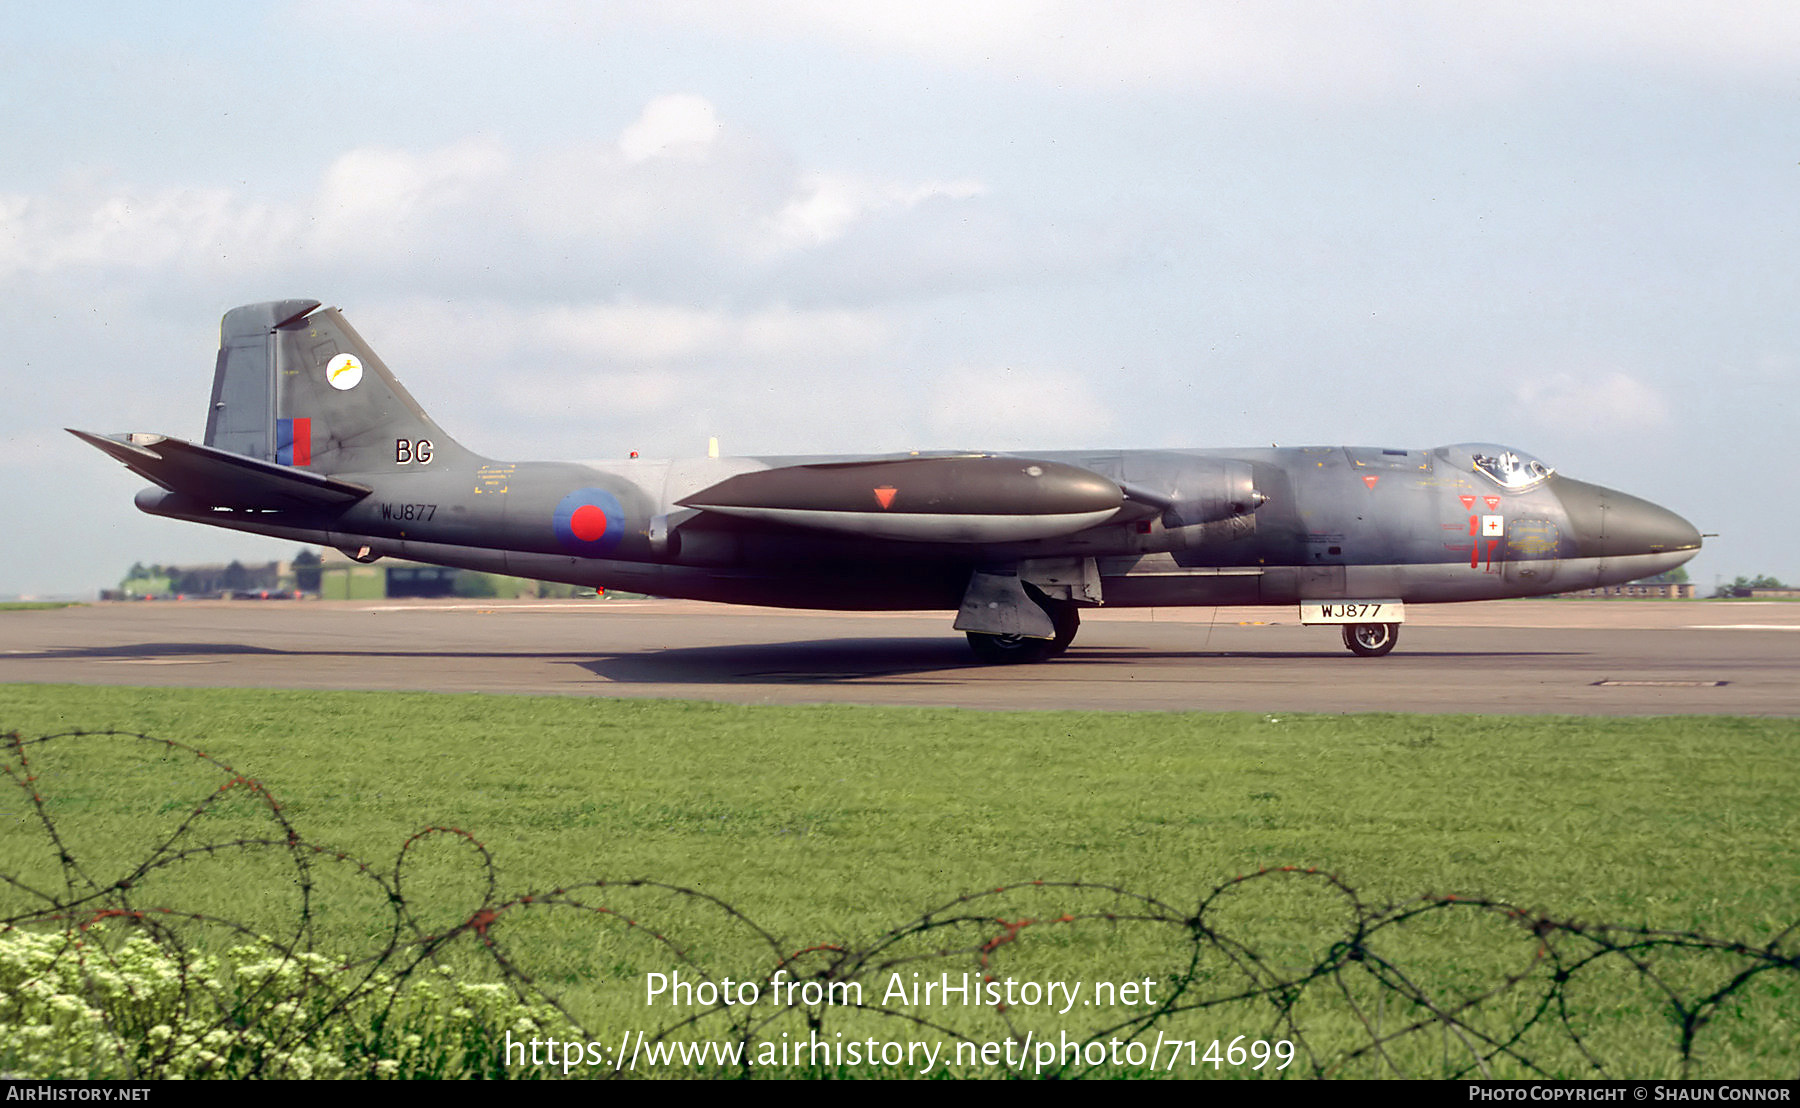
1512	470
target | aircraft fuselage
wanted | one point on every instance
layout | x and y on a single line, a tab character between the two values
1339	523
311	438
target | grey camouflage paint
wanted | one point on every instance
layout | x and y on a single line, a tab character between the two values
379	478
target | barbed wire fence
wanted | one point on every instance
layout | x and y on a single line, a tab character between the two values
1282	972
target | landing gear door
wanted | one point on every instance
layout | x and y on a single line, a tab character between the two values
997	604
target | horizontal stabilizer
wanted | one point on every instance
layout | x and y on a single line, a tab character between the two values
221	479
971	498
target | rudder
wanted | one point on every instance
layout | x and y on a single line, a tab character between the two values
241	417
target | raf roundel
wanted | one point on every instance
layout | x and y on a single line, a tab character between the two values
343	372
590	522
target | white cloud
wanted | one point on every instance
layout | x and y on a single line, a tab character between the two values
1299	48
474	212
97	227
596	379
374	198
1315	50
549	376
636	333
629	333
672	126
1609	404
826	205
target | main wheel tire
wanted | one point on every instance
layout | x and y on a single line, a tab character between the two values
1001	650
1064	615
1371	640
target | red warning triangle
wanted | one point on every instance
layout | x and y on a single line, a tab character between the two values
1468	503
1493	503
885	495
1369	479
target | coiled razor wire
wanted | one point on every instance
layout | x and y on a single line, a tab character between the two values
1351	988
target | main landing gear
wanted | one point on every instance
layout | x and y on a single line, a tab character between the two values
1365	640
1371	640
1007	649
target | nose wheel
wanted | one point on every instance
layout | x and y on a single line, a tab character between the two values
1371	640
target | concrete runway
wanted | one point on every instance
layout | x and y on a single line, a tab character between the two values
1583	657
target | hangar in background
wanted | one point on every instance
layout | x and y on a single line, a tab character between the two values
1639	590
343	578
333	577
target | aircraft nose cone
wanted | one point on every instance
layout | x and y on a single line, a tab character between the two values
1607	523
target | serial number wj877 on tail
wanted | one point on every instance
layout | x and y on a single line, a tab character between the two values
310	438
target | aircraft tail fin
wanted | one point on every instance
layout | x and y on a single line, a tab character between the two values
295	385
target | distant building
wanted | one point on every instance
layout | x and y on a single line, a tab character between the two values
339	578
1782	592
343	578
1639	590
196	582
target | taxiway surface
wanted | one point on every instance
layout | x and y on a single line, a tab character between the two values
1583	657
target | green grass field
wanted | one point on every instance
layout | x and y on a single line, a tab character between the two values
834	825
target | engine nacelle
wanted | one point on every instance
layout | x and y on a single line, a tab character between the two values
958	499
1192	490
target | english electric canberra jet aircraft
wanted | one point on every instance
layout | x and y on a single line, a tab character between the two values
310	438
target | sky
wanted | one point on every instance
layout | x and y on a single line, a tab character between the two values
575	230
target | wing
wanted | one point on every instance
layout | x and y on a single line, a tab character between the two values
221	479
977	498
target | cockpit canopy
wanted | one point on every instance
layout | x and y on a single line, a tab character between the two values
1503	465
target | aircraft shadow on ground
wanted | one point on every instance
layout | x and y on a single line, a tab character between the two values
864	660
888	661
144	650
203	650
867	661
